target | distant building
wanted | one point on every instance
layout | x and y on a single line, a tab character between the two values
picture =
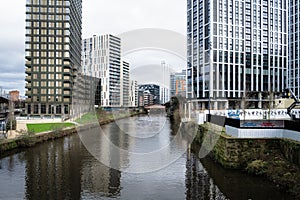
14	95
148	98
153	89
133	94
52	53
178	84
164	95
125	84
141	98
101	58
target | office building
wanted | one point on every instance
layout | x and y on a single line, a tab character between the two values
151	89
294	56
235	49
178	84
101	58
53	46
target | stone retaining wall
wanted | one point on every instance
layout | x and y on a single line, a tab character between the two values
238	152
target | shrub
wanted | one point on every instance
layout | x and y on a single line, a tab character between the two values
14	125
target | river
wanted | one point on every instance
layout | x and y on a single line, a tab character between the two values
68	168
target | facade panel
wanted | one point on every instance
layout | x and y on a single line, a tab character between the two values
53	47
236	48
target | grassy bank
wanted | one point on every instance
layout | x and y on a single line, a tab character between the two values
42	132
44	127
103	117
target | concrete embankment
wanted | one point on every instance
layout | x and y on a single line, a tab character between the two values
25	141
276	159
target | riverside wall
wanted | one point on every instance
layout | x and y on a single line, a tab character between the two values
236	153
26	141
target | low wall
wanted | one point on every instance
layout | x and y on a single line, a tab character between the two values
233	152
236	152
29	141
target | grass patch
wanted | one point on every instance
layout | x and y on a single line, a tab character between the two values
87	118
43	127
101	116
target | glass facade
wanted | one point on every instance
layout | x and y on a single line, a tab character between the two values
236	46
294	39
53	54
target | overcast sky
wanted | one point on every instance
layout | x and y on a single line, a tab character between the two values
99	17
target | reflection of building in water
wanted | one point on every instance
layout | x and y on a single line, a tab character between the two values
98	178
198	182
54	172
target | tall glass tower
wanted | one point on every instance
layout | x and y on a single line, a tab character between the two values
236	48
53	55
294	45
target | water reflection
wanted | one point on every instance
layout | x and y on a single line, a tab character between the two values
53	170
64	169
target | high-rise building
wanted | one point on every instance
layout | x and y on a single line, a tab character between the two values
133	94
178	83
294	53
125	84
101	58
236	48
164	94
53	47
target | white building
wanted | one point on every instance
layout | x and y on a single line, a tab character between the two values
164	94
125	84
235	47
101	58
133	94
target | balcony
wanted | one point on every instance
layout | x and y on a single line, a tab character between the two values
28	85
28	78
28	71
28	93
28	63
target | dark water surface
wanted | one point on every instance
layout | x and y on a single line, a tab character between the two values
65	169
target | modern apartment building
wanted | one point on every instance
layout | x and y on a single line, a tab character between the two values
53	47
133	94
164	95
151	89
294	45
125	84
235	49
178	83
101	58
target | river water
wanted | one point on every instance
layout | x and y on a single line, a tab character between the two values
69	168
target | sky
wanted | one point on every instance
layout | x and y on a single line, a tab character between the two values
99	17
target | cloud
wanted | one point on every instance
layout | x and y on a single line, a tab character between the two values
117	16
99	17
12	40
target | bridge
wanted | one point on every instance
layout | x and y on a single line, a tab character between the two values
155	108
